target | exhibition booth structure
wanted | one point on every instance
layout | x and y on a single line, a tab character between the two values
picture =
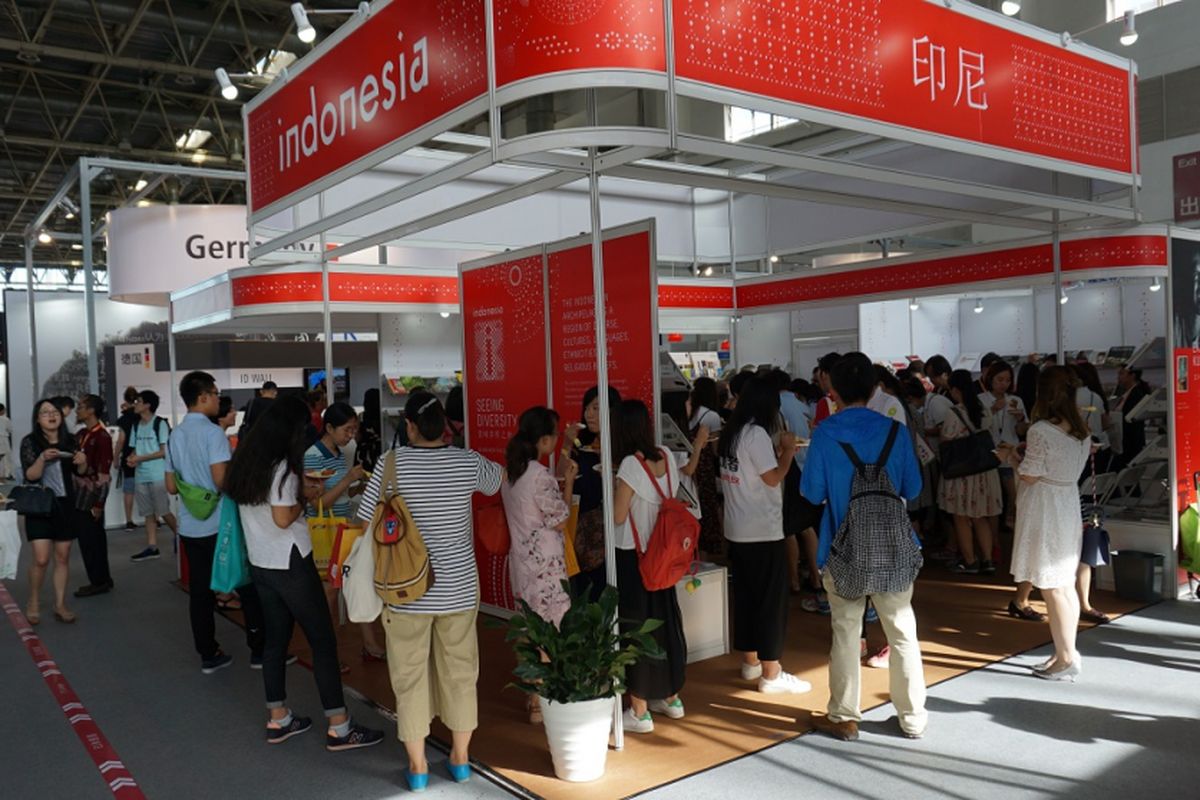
441	130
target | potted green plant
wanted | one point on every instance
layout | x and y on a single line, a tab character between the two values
576	669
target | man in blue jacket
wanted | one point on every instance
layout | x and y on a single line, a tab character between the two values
827	478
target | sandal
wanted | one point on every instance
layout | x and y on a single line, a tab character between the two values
33	616
1092	615
232	604
65	616
373	658
1025	612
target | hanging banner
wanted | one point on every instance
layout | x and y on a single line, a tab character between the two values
1185	373
924	70
405	66
630	319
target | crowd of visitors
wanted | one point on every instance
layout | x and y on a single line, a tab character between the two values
830	490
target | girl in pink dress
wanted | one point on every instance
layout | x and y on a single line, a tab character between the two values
537	510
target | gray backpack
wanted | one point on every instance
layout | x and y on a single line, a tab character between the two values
873	551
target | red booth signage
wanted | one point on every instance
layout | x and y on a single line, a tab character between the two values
914	64
409	64
1187	187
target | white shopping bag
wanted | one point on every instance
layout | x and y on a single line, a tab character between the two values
10	545
363	604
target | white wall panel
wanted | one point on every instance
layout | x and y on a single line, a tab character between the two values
1005	325
936	328
765	339
883	330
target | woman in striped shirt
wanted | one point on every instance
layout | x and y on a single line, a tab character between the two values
432	646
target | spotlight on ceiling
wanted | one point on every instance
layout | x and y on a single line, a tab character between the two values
1129	35
228	90
1010	8
978	307
305	32
774	259
913	305
44	237
445	315
1155	285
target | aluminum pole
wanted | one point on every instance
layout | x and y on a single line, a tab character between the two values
326	316
33	362
733	314
1056	248
171	361
606	454
89	297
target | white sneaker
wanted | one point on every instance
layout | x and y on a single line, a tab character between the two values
785	683
635	724
674	709
751	672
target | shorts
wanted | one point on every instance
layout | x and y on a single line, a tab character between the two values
128	485
152	499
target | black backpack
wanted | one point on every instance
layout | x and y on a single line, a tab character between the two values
873	551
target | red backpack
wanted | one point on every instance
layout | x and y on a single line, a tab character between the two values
673	541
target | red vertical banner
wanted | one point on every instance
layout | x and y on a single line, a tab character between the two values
1185	371
504	372
629	310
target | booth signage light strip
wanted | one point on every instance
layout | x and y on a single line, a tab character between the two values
906	69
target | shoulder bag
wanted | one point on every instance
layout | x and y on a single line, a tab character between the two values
968	455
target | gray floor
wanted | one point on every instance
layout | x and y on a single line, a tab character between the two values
182	734
1127	729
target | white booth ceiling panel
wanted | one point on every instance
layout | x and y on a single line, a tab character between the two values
796	225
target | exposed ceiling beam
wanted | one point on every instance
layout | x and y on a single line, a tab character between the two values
125	62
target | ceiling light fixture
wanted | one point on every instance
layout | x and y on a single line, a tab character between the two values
978	307
1010	8
77	246
913	305
1129	33
141	184
774	259
1155	285
708	271
445	315
228	90
1062	299
305	32
44	237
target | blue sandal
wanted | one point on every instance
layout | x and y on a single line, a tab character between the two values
417	782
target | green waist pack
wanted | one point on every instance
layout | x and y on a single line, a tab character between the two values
200	502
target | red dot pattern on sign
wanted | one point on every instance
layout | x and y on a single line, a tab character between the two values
1106	252
695	296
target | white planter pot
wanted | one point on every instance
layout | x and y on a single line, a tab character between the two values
578	737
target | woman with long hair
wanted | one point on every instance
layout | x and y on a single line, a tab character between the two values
1093	410
1049	531
370	437
537	510
646	474
326	457
433	649
265	479
753	469
582	446
48	457
702	410
1027	378
974	499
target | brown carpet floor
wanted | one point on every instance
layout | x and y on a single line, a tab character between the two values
962	625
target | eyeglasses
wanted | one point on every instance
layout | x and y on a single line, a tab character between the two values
48	413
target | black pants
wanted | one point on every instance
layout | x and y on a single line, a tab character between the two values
295	595
651	678
590	583
202	602
93	548
760	597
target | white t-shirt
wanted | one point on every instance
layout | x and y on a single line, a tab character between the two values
937	408
268	545
753	510
883	403
646	499
1004	424
707	417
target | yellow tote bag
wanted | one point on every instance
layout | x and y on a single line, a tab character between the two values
569	539
323	530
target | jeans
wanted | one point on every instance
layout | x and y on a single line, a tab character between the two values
295	595
203	602
93	548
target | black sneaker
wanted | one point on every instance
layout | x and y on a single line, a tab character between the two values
129	526
256	661
963	568
280	735
93	589
356	738
987	568
146	555
210	665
